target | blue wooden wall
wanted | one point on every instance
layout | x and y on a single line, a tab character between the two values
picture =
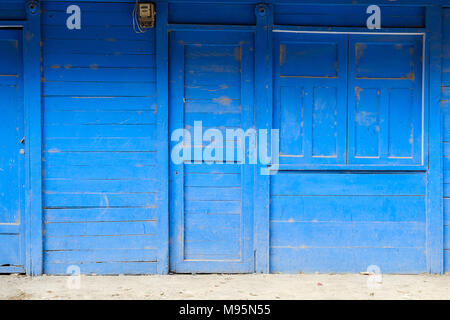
100	157
446	134
99	129
12	10
344	222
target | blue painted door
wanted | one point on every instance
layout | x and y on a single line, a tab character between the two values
11	152
211	83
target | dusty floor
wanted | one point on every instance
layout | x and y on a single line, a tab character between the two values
315	286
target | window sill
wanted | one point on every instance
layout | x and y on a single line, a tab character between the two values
350	167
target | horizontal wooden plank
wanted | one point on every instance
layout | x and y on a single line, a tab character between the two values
446	211
8	81
101	255
56	103
101	131
63	229
347	15
212	193
212	250
446	73
212	207
100	214
122	47
354	260
212	13
98	200
88	6
96	17
211	168
446	174
348	184
111	89
216	105
447	237
99	60
446	146
95	73
446	163
446	187
101	117
211	120
222	76
446	134
100	242
119	159
105	268
347	234
103	32
225	92
12	11
348	208
446	93
101	172
212	180
12	269
75	185
208	228
100	145
10	227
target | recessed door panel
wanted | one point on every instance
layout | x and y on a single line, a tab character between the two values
11	151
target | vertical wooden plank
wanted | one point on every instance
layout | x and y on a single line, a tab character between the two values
162	96
176	115
32	107
263	120
247	112
435	244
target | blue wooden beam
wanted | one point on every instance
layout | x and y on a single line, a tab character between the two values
322	2
32	107
263	119
435	232
162	100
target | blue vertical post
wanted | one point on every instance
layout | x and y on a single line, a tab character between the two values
435	228
263	120
32	107
162	91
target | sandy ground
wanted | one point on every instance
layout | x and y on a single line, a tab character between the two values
273	286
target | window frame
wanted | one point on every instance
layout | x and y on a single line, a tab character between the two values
348	166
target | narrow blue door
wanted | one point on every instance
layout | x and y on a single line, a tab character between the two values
211	84
11	152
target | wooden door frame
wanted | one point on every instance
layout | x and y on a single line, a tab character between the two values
176	115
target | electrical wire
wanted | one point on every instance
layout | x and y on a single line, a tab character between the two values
136	25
